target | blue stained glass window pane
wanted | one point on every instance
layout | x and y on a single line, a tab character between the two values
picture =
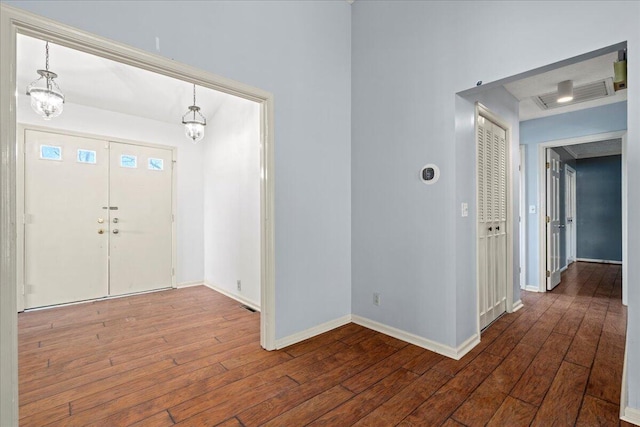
128	161
156	164
86	156
50	152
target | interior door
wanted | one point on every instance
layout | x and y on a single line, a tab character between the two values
553	219
570	210
140	218
65	231
492	220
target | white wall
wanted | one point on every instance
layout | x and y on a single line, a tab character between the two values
232	200
301	52
190	245
409	60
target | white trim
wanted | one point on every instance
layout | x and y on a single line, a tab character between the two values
570	238
14	21
312	332
624	399
231	295
445	350
20	196
523	216
190	284
563	269
481	110
599	261
542	203
631	415
532	288
624	219
517	305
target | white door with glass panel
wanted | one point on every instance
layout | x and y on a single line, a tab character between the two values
97	218
141	218
492	220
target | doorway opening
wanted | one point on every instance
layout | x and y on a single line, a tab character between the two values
24	24
603	157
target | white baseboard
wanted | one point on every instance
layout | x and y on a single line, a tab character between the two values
532	288
563	269
599	261
516	306
189	284
454	353
238	298
312	332
631	415
628	414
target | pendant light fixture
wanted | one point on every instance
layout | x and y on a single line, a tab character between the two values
46	97
565	91
194	122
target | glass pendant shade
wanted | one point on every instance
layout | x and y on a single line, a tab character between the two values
47	99
194	130
194	122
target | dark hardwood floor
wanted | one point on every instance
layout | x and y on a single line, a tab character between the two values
192	357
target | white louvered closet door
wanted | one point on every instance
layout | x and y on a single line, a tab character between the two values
492	220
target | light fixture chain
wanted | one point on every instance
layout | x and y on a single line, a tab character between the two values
46	64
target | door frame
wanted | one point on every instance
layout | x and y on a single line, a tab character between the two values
14	21
481	110
571	239
523	216
542	200
20	197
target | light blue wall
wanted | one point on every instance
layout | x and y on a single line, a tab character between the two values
608	118
409	59
301	52
599	208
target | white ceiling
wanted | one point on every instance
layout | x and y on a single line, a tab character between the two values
581	73
609	147
108	85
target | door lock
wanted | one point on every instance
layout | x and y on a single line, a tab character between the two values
116	231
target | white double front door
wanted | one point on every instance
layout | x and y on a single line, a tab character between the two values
98	218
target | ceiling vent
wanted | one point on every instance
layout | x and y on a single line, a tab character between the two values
587	92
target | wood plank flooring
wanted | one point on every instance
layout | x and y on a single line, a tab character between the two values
191	357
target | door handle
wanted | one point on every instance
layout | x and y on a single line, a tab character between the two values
115	220
116	231
498	228
490	228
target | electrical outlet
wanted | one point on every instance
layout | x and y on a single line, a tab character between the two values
376	298
239	284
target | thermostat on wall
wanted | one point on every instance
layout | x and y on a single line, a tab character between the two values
430	174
